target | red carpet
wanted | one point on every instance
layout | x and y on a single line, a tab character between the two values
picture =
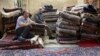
88	43
8	41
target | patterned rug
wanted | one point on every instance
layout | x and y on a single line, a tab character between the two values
75	51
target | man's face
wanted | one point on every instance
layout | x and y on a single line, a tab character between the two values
26	15
41	10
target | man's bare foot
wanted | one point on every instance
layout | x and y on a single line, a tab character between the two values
41	43
34	39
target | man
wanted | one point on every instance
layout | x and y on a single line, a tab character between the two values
39	19
23	28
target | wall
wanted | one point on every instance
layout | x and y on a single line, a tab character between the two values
33	5
80	2
98	4
6	4
94	2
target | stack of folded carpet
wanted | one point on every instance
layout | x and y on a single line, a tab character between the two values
9	18
51	19
82	22
38	29
68	28
90	27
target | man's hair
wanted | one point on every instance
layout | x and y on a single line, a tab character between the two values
23	12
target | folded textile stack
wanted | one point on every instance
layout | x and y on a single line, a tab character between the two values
68	27
84	8
51	19
89	27
9	18
38	29
81	22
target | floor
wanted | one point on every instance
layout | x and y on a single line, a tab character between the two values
54	43
75	51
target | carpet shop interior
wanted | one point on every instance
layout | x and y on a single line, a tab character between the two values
49	25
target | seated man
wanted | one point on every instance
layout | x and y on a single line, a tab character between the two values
23	28
39	19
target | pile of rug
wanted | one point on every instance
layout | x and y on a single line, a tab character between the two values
68	27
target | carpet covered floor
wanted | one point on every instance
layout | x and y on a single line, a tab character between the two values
75	51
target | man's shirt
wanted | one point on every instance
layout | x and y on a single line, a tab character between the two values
20	20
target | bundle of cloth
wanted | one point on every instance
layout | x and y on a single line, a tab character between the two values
38	29
1	26
51	18
84	8
10	12
90	26
9	18
10	15
67	27
98	12
49	8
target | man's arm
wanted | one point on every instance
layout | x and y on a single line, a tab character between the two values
32	22
23	24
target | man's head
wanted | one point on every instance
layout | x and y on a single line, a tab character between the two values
25	14
41	10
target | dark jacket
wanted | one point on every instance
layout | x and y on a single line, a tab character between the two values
39	18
